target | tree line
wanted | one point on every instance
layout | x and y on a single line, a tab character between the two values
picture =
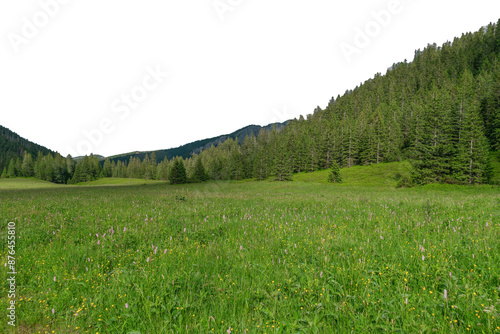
441	111
57	169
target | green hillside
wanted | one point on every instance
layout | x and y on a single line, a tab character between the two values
13	146
440	111
378	175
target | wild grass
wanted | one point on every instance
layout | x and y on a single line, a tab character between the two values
25	183
256	257
380	175
115	181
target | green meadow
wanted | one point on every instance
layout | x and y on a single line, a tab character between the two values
136	256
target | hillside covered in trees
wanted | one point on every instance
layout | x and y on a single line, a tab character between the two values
441	112
14	147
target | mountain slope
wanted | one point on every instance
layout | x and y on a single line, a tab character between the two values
13	146
441	111
185	151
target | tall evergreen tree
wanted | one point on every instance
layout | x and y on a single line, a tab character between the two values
177	174
199	174
107	170
334	175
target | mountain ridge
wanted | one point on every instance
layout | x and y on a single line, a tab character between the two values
186	150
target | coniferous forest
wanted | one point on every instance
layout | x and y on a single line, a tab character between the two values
440	111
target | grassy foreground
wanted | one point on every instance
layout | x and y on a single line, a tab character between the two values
254	257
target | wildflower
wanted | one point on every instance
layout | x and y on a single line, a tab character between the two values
423	257
241	247
320	274
406	301
54	278
98	242
229	330
53	311
445	294
124	229
126	305
147	260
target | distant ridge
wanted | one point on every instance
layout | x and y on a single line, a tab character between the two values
196	147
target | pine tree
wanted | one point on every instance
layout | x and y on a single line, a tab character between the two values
248	156
70	166
153	165
177	174
262	151
472	160
282	161
107	169
334	175
11	170
28	165
199	174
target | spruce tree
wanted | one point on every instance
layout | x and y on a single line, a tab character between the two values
106	169
177	174
334	175
28	165
11	170
199	174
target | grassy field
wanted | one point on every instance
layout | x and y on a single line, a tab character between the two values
25	183
254	257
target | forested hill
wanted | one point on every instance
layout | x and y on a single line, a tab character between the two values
13	146
441	111
187	150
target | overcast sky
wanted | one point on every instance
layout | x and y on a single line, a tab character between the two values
117	76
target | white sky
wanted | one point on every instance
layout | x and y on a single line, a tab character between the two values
251	62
